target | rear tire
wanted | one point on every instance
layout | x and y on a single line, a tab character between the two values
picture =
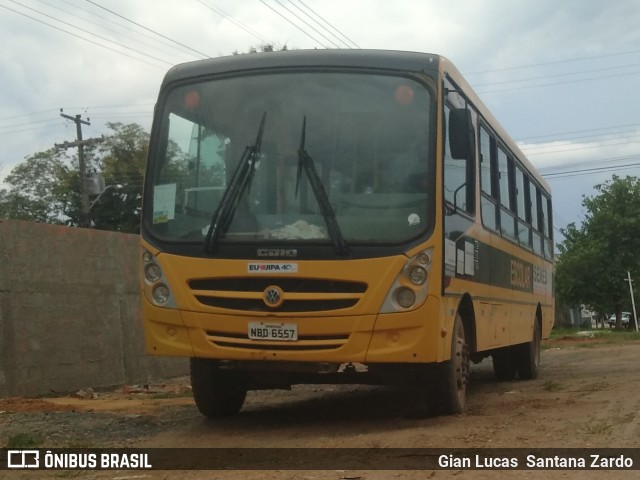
217	393
527	355
504	364
448	394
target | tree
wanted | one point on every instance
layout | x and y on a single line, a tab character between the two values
122	162
45	187
268	47
595	256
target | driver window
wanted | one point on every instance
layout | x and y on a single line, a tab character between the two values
458	191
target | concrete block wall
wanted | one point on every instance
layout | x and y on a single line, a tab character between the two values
70	311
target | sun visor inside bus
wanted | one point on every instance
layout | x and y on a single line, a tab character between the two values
461	134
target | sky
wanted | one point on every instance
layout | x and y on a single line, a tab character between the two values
561	76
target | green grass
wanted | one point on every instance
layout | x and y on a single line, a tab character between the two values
552	386
24	440
609	335
597	428
625	335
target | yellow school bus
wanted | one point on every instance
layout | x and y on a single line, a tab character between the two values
340	217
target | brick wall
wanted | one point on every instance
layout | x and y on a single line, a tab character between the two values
70	311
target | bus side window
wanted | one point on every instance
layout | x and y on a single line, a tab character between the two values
459	178
535	219
488	199
547	243
522	196
507	191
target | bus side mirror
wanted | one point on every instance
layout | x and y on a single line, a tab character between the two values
461	134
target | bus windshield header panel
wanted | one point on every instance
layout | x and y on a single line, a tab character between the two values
325	157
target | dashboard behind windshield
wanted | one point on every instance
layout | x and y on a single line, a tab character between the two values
368	136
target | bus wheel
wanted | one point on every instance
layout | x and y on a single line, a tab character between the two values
504	363
448	393
527	355
217	393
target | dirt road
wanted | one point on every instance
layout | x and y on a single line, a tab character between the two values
587	395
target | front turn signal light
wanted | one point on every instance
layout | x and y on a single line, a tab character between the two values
410	288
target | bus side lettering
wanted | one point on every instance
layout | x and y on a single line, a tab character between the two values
520	275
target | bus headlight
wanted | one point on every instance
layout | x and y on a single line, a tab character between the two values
405	297
424	258
417	275
156	287
161	294
152	272
147	257
411	286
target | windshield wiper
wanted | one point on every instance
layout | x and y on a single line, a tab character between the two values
305	162
240	180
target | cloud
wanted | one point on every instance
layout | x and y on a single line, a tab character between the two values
45	69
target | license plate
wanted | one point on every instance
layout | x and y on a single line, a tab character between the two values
287	332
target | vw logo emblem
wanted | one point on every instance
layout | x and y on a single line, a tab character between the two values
273	296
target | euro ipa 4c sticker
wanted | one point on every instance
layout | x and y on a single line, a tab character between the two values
272	267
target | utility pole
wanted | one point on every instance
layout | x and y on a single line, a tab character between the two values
633	302
80	143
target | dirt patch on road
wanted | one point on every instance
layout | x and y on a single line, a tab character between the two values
586	396
128	399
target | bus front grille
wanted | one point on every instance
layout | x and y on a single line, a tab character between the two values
300	294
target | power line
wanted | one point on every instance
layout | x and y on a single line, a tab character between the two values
605	137
556	75
22	115
25	124
238	23
572	149
292	23
320	25
308	25
147	28
110	30
51	124
122	114
571	143
556	62
76	107
573	165
88	32
330	25
578	131
144	34
561	145
116	107
590	171
80	37
567	169
552	84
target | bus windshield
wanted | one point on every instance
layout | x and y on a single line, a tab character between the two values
318	157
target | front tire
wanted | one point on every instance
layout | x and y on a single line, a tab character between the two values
217	393
450	379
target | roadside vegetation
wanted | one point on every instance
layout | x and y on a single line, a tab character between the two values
590	338
597	257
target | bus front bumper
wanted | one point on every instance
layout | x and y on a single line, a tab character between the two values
376	338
